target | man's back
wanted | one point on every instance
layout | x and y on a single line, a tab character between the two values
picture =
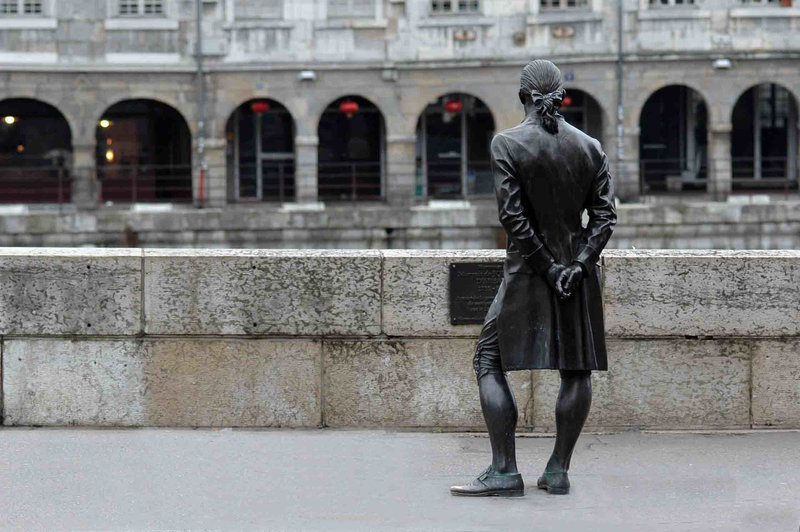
555	172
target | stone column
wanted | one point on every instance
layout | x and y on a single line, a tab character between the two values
305	173
401	170
85	186
216	179
720	170
626	171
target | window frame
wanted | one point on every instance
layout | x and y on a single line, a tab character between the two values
46	8
672	4
761	3
117	9
454	9
585	5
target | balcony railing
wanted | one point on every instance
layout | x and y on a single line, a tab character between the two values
775	174
48	184
445	179
669	175
349	181
277	182
34	182
145	183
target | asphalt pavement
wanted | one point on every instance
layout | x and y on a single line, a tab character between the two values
324	480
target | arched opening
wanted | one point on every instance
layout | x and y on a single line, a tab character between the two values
260	152
144	153
764	143
454	134
35	153
673	141
350	153
581	110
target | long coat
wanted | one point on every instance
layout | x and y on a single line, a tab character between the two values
544	182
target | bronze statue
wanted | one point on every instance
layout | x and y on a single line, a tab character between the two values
548	311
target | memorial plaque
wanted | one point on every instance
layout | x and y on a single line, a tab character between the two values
473	286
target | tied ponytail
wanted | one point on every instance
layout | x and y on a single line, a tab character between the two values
547	106
541	83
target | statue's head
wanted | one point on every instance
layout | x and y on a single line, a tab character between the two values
541	87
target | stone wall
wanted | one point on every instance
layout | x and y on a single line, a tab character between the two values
461	225
265	338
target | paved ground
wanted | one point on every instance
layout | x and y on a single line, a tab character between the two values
78	479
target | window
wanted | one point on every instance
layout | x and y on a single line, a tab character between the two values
767	3
565	4
455	6
140	7
351	8
256	9
671	3
21	7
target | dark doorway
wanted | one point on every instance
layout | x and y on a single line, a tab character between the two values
144	153
673	141
454	134
764	144
260	152
350	153
35	153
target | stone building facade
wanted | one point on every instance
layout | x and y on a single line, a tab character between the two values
380	112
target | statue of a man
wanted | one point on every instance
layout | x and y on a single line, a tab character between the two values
548	311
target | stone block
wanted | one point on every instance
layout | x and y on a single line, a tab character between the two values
661	384
407	383
70	291
262	292
415	291
776	383
67	382
232	383
702	293
186	383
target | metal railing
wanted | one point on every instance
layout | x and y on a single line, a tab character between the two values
349	181
34	183
445	180
145	183
670	175
776	175
277	182
29	183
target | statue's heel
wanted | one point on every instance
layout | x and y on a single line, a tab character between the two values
555	482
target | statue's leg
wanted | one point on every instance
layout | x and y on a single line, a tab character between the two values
497	400
500	413
572	409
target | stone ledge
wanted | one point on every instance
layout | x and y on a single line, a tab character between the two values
52	291
702	293
262	292
415	291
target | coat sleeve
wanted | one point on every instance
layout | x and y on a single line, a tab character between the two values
602	217
513	217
